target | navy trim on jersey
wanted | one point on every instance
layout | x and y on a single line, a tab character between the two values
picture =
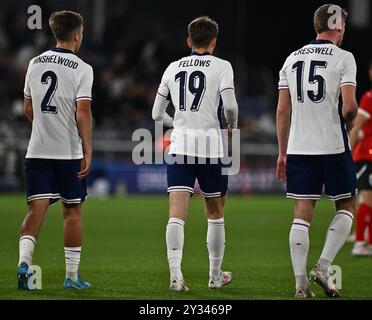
320	41
63	50
343	129
219	112
229	88
194	53
162	95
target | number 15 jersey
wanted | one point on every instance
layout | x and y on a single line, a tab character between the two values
194	84
314	76
55	81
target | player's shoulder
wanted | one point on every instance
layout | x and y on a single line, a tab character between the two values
344	53
292	56
84	65
37	58
222	62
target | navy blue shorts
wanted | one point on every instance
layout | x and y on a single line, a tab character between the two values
307	174
181	177
54	180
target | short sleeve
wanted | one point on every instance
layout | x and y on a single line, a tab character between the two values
365	105
283	80
85	84
348	70
163	89
27	90
227	78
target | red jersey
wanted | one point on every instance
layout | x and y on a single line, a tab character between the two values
363	148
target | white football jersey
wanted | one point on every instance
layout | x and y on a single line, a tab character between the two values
314	75
55	80
194	84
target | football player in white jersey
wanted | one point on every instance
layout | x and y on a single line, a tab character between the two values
314	150
197	84
58	94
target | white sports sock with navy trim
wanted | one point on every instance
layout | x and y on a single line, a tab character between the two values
337	234
299	246
175	239
72	258
26	249
216	246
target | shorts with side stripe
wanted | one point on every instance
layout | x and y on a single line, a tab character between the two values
181	177
364	174
308	174
54	180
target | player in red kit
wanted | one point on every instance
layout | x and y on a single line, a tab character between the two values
361	144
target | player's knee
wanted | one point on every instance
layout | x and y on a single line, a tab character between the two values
72	217
72	212
37	208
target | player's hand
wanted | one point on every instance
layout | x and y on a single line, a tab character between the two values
281	168
350	125
85	167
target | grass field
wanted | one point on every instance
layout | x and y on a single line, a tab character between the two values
124	254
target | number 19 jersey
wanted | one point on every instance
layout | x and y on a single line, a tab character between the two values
55	81
314	76
194	84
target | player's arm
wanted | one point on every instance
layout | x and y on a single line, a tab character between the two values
360	120
84	119
230	107
159	110
348	89
350	105
85	123
27	108
227	93
27	102
162	100
283	121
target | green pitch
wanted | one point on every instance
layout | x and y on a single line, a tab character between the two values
124	254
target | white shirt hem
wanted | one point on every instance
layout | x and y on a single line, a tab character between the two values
54	157
195	155
315	153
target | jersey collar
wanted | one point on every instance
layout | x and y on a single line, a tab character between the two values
320	41
194	53
63	50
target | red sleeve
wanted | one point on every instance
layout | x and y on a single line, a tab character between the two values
366	102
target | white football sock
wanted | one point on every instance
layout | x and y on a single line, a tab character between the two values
72	258
26	249
216	246
175	239
337	234
299	247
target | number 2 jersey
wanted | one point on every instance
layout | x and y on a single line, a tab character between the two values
314	76
55	81
194	84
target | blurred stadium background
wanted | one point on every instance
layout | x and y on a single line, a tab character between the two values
129	43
